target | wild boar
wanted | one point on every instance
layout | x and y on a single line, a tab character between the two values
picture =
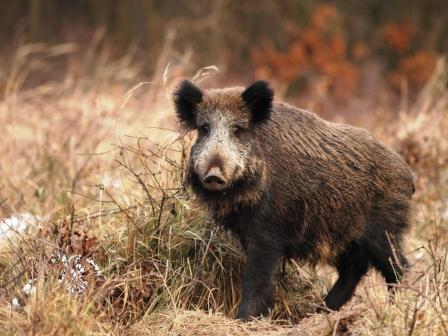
290	184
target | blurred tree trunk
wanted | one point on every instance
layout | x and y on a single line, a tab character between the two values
35	20
152	25
100	12
122	22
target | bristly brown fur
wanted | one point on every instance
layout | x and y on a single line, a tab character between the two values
310	189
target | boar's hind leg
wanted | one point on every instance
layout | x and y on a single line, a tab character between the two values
384	258
257	292
351	264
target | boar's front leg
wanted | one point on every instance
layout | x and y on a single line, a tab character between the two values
257	291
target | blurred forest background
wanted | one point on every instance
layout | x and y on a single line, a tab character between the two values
328	51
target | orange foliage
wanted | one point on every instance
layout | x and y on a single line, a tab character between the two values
317	53
415	69
399	36
360	51
324	17
320	56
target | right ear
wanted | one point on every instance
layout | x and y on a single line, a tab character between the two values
258	98
186	97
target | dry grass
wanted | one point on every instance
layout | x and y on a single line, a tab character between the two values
92	164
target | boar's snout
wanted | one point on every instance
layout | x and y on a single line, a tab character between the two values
214	179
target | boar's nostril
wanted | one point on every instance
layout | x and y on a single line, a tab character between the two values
214	177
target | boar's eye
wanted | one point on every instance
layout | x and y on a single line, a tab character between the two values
204	129
236	130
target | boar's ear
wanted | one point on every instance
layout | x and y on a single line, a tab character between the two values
258	98
186	97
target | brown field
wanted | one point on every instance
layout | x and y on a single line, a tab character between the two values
93	164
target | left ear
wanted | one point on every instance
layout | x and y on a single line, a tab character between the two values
186	97
258	98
